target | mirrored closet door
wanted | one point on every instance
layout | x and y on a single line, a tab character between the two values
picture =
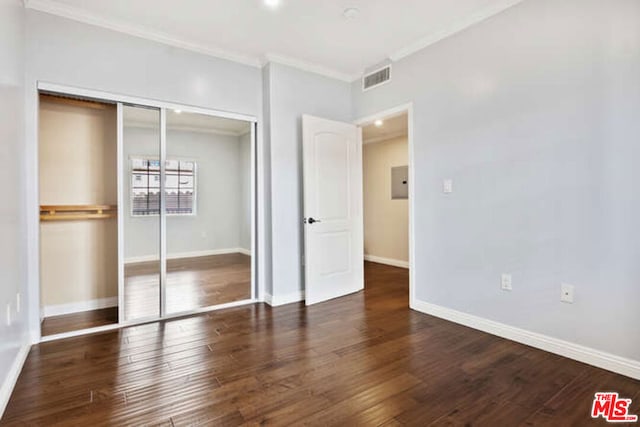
140	213
208	211
147	212
187	212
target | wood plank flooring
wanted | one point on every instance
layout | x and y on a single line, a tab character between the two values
364	359
192	283
78	321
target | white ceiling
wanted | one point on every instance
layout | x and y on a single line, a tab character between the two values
392	127
311	34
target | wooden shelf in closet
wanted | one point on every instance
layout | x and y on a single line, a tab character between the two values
77	212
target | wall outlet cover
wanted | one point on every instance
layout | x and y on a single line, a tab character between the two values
567	293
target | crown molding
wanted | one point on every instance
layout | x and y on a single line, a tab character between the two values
310	67
77	14
454	28
70	12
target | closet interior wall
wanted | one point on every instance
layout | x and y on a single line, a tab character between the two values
77	168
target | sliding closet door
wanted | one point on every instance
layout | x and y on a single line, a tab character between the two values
140	216
208	211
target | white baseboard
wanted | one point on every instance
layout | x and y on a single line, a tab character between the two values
283	299
387	261
14	372
600	359
76	307
182	255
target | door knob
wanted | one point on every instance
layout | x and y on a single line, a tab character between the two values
311	220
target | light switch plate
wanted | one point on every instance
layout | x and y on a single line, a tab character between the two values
505	282
567	293
447	186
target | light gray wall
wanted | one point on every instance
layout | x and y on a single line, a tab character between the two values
292	93
264	137
75	54
13	245
219	222
534	114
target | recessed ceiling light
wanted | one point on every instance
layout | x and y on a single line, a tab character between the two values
351	12
177	111
272	3
378	123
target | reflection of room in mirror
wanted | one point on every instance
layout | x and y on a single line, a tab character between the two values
179	187
141	211
208	206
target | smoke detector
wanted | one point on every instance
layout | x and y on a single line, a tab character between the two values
351	12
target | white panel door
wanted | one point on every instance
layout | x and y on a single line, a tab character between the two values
334	252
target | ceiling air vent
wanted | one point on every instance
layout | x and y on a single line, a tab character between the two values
376	78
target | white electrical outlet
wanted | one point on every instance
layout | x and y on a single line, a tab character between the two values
8	314
566	293
447	186
18	302
505	282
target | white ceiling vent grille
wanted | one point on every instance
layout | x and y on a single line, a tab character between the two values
376	78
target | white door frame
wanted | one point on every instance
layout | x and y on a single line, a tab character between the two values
33	207
408	108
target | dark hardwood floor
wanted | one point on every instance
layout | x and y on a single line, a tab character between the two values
364	359
78	321
192	283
